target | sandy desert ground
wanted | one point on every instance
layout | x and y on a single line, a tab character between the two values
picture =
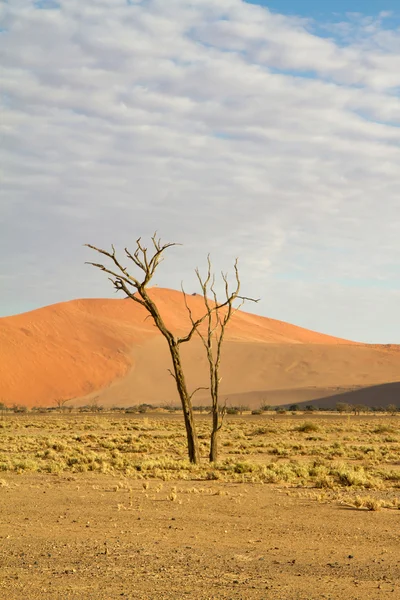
299	507
108	349
68	537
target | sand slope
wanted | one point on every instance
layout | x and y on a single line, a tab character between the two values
108	348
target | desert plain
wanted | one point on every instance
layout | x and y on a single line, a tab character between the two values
298	506
301	504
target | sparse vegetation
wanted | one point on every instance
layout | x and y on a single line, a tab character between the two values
324	453
307	427
342	407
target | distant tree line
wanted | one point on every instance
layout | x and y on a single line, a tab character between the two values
240	409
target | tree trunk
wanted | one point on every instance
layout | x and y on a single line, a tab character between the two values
124	281
192	440
214	436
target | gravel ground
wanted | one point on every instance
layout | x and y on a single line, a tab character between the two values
100	537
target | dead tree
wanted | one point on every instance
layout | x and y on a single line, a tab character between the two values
137	289
61	403
217	317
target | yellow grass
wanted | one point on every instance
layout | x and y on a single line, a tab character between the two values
322	452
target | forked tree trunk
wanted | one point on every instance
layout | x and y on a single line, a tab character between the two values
217	318
124	281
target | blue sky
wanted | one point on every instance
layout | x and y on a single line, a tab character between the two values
271	135
325	8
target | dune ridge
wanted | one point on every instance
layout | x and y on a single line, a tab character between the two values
109	348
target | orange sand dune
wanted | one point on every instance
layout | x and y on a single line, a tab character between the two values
109	348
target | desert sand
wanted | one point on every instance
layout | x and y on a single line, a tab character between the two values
99	507
109	349
234	542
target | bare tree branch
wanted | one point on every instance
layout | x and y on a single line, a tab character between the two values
222	413
197	390
172	374
194	328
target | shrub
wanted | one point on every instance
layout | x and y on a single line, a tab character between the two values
383	429
307	427
367	502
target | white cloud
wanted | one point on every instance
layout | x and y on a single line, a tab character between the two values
224	126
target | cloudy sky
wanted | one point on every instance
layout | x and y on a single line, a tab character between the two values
268	131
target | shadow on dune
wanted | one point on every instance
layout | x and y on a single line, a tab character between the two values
373	396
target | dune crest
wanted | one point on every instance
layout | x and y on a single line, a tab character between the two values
110	347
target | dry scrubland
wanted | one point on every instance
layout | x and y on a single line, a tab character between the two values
110	503
331	454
